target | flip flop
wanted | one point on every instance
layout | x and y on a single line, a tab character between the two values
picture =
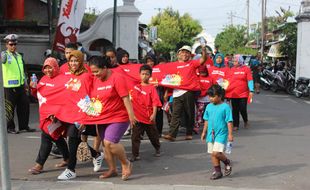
61	164
108	175
34	171
126	176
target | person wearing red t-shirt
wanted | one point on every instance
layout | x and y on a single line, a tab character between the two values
202	101
183	100
114	116
145	102
240	90
48	91
219	72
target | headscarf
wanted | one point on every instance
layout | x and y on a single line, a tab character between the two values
80	57
119	56
239	58
219	65
53	63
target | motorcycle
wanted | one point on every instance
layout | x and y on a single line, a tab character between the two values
302	87
284	80
266	78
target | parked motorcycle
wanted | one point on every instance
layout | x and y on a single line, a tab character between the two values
266	78
302	87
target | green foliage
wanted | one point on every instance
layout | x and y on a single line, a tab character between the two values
89	18
289	46
174	30
232	40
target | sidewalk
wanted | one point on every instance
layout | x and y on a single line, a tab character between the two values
86	185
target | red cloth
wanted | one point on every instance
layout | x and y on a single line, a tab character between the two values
177	75
64	69
50	96
209	62
143	99
109	94
217	73
238	82
205	84
77	88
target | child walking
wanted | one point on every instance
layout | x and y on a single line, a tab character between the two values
218	129
145	102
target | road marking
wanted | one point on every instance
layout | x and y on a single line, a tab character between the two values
32	137
278	96
290	100
308	102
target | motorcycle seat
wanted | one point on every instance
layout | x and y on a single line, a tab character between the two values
304	79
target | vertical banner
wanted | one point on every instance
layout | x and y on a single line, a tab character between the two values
69	22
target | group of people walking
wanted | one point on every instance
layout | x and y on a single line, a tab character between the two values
79	99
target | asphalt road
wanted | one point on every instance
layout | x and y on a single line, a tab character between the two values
272	154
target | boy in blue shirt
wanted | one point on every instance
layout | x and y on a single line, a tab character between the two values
217	128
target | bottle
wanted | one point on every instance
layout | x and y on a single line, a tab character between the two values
203	42
228	147
34	79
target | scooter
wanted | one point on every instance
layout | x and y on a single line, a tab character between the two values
302	87
284	80
266	78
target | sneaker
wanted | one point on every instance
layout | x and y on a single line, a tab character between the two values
98	162
13	131
128	132
228	169
67	175
216	175
55	152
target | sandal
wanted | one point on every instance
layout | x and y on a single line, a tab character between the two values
216	175
135	158
228	169
235	128
126	176
34	171
108	174
61	164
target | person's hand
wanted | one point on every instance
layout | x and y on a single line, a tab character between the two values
203	137
32	84
82	127
251	94
132	120
230	138
152	118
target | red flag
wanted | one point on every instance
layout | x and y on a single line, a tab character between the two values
70	18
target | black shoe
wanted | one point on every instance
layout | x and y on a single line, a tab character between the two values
56	152
29	130
12	131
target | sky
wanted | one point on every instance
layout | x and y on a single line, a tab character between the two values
213	15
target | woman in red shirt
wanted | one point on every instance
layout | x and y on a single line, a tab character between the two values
240	90
114	114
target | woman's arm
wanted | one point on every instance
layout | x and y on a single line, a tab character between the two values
129	109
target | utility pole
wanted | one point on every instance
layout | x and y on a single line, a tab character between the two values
230	16
114	24
262	30
248	18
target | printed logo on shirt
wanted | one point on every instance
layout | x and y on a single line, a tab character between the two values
90	106
204	81
41	99
217	72
239	73
46	84
174	80
156	70
141	91
183	66
73	84
104	87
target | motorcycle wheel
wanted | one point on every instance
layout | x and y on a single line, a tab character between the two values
274	87
290	88
265	86
300	88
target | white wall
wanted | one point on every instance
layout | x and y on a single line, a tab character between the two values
303	50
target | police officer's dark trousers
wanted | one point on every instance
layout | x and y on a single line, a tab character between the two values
16	97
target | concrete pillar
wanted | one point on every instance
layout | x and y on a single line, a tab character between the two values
303	41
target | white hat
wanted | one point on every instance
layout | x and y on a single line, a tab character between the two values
11	37
188	48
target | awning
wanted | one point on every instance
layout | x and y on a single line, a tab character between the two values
274	51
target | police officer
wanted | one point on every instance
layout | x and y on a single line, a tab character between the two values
14	90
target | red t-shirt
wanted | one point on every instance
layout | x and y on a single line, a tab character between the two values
110	94
209	62
217	73
143	99
205	84
238	82
77	88
64	69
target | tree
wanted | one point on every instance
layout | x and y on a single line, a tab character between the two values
233	40
174	30
289	46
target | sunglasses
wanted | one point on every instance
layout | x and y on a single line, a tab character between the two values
13	44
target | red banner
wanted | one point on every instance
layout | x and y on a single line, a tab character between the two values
70	18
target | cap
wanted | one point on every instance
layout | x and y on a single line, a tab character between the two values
188	48
11	37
